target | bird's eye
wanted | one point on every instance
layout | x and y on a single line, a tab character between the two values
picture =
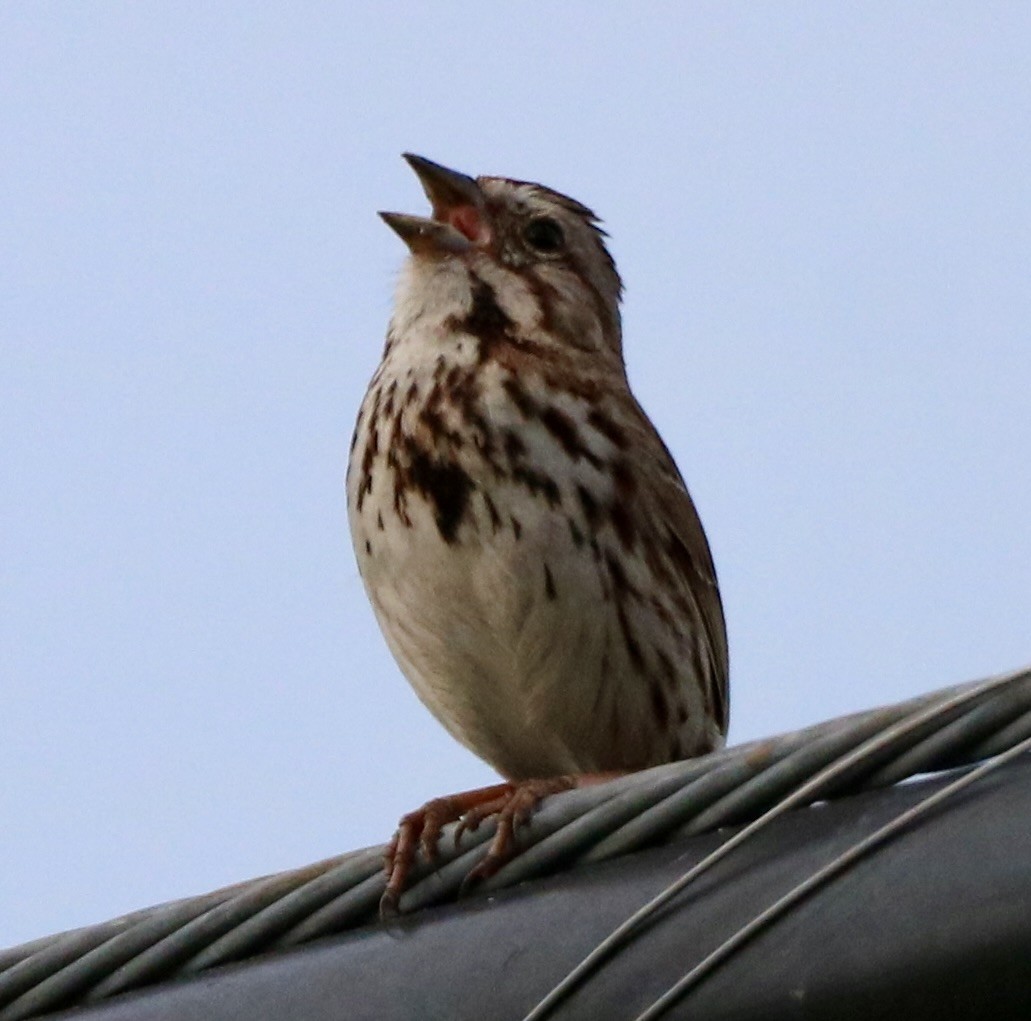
544	234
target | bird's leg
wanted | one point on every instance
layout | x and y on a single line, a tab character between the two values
420	830
512	803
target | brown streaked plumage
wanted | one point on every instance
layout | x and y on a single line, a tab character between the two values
527	542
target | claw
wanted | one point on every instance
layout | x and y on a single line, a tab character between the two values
388	905
474	816
419	831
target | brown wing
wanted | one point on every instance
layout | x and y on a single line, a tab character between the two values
687	550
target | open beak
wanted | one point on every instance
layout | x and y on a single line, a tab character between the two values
458	222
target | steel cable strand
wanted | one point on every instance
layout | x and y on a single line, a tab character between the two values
242	926
688	797
693	796
959	724
57	974
970	737
962	715
835	867
136	950
899	732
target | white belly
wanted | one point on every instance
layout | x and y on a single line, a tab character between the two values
521	670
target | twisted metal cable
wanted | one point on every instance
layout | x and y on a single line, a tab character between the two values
956	726
899	735
835	867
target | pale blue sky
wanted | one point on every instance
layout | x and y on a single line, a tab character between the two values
823	217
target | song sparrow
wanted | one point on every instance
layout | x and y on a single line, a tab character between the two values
529	547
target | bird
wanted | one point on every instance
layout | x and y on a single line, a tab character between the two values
529	547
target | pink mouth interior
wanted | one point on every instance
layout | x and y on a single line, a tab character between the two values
467	220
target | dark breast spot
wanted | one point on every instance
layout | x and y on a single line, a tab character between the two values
590	506
537	482
518	396
565	431
364	489
623	522
515	448
630	642
621	583
682	556
619	509
666	666
445	485
563	428
659	704
624	480
487	320
575	534
432	419
492	510
614	433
